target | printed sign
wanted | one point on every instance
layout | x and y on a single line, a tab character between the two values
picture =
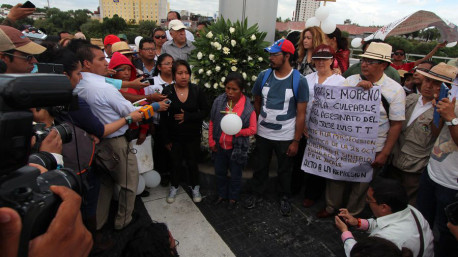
342	129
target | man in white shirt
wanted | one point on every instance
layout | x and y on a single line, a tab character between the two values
439	183
110	106
395	221
413	148
173	15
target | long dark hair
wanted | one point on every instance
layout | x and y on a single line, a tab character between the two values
342	42
159	61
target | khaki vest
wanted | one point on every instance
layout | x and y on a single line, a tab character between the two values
413	148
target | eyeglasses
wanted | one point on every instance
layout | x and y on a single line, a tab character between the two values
28	58
166	64
148	49
398	53
276	54
370	62
162	37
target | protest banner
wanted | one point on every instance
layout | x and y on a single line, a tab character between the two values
342	129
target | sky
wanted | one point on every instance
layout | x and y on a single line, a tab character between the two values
362	12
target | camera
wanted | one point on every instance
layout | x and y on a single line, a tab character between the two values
64	130
23	188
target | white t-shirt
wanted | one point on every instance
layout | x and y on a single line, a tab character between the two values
312	80
396	97
443	164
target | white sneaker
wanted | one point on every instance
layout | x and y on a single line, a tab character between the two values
196	196
172	194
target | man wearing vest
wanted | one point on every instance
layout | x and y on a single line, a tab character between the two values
413	148
392	112
280	103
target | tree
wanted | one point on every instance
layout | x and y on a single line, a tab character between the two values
145	28
279	19
93	29
8	6
114	25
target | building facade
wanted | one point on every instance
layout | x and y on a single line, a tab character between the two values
135	10
305	9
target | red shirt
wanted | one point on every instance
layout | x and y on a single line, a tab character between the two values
405	66
225	141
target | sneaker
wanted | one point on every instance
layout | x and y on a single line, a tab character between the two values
172	194
252	201
196	196
285	206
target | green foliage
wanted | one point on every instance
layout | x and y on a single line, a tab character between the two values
114	25
6	6
420	47
145	28
280	34
225	47
93	29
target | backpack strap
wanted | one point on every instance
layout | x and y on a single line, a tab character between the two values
295	81
386	105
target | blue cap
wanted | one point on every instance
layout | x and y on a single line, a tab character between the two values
281	45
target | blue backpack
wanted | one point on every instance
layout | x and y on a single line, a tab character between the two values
296	78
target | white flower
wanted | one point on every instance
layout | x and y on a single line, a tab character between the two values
260	59
254	78
201	71
253	37
209	72
218	46
207	85
249	58
212	44
233	61
231	30
199	55
233	68
244	75
211	57
223	79
226	51
221	85
209	34
217	68
233	42
215	86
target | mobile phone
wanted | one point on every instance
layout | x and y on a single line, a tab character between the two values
168	101
50	68
443	93
119	69
28	4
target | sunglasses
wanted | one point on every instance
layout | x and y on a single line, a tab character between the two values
163	37
28	58
398	53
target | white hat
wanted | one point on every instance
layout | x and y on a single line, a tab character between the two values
378	51
441	72
176	25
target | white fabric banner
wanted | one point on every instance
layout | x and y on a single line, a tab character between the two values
343	128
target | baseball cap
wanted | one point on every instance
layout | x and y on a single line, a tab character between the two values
323	52
176	25
11	38
281	45
111	39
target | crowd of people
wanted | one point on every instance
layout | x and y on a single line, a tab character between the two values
415	165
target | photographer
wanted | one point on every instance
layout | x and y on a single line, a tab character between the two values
66	235
17	52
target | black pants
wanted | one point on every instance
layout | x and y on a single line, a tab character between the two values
314	185
161	156
187	150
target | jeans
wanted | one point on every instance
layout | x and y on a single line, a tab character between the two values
263	155
228	188
431	201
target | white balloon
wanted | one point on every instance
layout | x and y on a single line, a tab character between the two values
231	124
328	26
141	185
451	44
152	178
137	41
322	13
312	22
356	42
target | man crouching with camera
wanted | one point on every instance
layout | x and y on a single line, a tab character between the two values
66	233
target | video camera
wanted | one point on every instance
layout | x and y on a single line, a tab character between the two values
22	187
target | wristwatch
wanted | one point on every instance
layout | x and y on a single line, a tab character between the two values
453	122
128	119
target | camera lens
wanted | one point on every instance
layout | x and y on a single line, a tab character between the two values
62	177
44	159
65	132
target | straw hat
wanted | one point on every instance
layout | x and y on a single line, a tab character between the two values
98	42
404	73
121	47
378	51
441	72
